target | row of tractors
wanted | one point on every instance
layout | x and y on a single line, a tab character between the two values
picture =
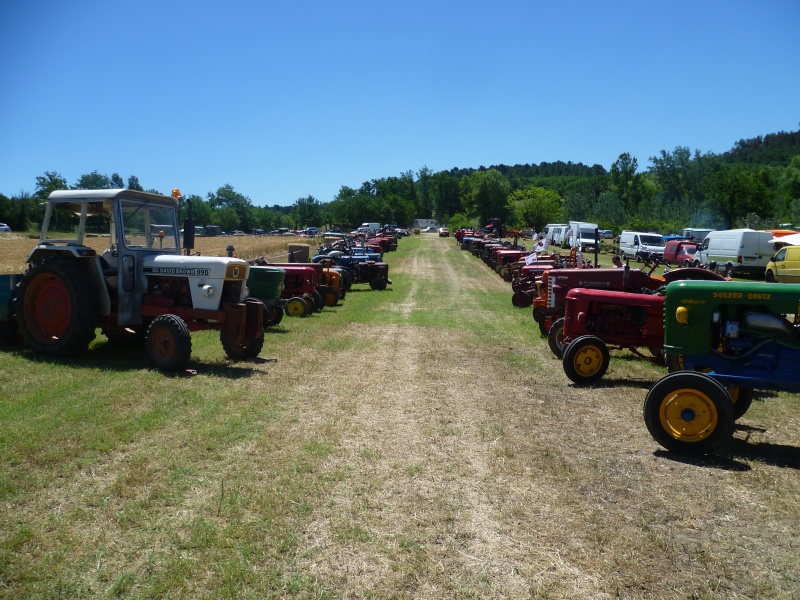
719	339
146	289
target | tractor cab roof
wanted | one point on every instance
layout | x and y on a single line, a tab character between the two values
99	201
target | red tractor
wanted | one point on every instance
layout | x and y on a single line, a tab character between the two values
598	320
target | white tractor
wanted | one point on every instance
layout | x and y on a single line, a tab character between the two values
140	290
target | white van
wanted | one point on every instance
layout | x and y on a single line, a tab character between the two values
582	235
634	244
550	230
369	227
697	235
559	233
737	251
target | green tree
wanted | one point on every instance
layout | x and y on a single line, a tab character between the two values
626	182
93	181
306	212
49	182
536	206
735	190
116	181
578	207
486	197
609	211
133	184
446	196
227	197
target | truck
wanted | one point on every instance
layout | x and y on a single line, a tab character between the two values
737	252
680	252
139	290
640	245
582	235
722	341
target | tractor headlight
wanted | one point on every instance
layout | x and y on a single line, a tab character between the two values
208	291
682	315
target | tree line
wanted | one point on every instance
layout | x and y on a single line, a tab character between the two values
755	184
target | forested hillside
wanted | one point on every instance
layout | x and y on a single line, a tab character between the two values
755	184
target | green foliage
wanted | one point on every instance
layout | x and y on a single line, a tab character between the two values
535	206
759	178
307	212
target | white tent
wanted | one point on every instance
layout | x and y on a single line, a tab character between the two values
793	239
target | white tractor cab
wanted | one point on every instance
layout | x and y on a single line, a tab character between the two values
141	289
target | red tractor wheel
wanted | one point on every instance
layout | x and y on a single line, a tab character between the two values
169	343
57	307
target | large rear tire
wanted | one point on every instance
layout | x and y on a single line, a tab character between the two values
689	412
169	343
57	307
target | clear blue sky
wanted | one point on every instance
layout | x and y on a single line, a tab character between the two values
283	100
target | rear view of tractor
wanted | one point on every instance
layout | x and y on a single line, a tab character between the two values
729	339
141	290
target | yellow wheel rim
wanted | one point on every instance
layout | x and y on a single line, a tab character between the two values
587	361
688	415
295	308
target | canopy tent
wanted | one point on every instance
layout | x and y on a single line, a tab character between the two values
792	239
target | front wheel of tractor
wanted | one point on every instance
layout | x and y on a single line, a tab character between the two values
169	343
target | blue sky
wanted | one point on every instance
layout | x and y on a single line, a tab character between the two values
283	100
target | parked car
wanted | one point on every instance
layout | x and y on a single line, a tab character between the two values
785	265
4	227
444	232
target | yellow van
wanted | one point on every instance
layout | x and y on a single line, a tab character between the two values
785	265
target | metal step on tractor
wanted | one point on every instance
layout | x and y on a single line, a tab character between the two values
140	290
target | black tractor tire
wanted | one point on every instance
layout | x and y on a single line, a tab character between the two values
586	359
273	316
347	276
248	349
555	338
689	412
521	299
378	283
543	328
57	307
319	301
169	343
742	397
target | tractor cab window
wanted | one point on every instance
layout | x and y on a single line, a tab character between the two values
150	226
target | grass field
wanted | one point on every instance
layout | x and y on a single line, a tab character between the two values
418	442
